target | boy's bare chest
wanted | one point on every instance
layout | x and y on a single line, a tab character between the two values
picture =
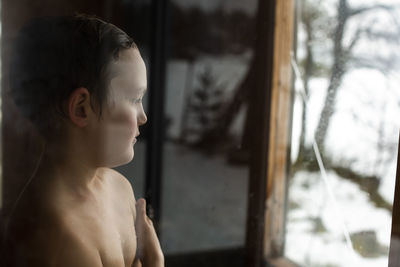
108	226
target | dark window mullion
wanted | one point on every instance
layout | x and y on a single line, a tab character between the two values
156	94
259	111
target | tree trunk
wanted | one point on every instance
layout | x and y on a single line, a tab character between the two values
308	69
338	70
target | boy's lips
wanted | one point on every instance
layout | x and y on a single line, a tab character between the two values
135	138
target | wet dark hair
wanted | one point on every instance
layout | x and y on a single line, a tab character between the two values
52	56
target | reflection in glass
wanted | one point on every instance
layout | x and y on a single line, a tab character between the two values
205	166
345	132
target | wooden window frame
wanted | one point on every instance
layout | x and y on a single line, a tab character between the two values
265	236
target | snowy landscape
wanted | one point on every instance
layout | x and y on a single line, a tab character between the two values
331	220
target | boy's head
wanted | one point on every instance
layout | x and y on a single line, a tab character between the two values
52	56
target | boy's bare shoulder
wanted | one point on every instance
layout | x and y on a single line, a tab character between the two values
116	178
119	182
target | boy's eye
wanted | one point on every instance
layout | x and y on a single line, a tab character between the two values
136	100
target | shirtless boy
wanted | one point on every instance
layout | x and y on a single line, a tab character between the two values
80	81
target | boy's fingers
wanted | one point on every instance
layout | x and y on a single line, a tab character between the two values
141	206
141	212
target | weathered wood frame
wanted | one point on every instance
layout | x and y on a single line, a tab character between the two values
280	129
269	169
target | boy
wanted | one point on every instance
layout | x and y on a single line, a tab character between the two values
80	81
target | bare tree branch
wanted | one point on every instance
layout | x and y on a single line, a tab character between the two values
383	64
360	10
390	37
355	40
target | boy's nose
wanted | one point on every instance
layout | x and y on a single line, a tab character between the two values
142	118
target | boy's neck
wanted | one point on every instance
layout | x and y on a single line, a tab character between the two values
70	173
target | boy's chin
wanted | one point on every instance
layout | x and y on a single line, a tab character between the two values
128	157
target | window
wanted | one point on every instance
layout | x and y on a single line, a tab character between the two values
344	133
272	126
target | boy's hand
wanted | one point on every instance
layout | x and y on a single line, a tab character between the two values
149	250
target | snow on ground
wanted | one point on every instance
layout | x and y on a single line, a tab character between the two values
365	104
313	244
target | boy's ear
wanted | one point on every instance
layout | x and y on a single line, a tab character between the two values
79	107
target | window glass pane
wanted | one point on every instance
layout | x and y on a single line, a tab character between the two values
345	132
205	164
